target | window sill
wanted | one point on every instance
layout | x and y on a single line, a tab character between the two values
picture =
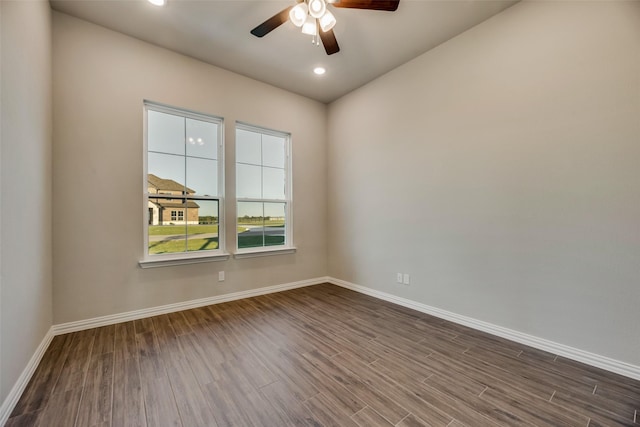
252	253
167	262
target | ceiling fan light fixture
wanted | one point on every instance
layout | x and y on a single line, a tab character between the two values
309	26
317	8
327	22
298	14
315	19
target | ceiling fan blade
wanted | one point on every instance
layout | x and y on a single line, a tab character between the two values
386	5
329	41
272	23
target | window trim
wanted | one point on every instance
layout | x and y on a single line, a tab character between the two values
179	258
289	246
265	251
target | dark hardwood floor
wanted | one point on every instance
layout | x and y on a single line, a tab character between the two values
315	356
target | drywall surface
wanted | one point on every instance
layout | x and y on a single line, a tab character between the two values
500	170
25	279
100	81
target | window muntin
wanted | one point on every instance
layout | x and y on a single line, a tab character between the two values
263	189
183	192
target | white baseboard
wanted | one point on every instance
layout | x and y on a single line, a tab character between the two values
14	395
112	319
603	362
592	359
18	388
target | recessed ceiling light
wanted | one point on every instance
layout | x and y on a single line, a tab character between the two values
319	70
157	2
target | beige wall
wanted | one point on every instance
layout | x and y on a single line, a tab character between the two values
25	182
100	80
501	170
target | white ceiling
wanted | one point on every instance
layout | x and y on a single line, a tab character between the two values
217	32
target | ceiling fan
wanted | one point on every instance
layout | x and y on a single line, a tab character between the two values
315	18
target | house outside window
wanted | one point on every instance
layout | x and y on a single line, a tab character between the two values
263	190
183	191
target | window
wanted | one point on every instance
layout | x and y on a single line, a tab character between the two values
177	216
183	184
263	189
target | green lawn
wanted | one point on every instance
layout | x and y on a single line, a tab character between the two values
269	223
170	230
167	230
256	241
173	246
204	244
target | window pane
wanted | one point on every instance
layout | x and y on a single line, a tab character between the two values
250	224
202	177
166	228
183	152
248	181
248	148
273	151
202	139
165	133
273	183
202	225
274	221
262	174
166	173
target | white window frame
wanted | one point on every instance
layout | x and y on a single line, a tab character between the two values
288	247
161	260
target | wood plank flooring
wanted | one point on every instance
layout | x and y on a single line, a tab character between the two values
315	356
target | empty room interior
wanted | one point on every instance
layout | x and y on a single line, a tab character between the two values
443	229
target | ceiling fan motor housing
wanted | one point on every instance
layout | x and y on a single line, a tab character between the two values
315	19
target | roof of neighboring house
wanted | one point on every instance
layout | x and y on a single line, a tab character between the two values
164	203
161	184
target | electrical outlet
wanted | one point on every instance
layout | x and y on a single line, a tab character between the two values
399	277
220	276
406	279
